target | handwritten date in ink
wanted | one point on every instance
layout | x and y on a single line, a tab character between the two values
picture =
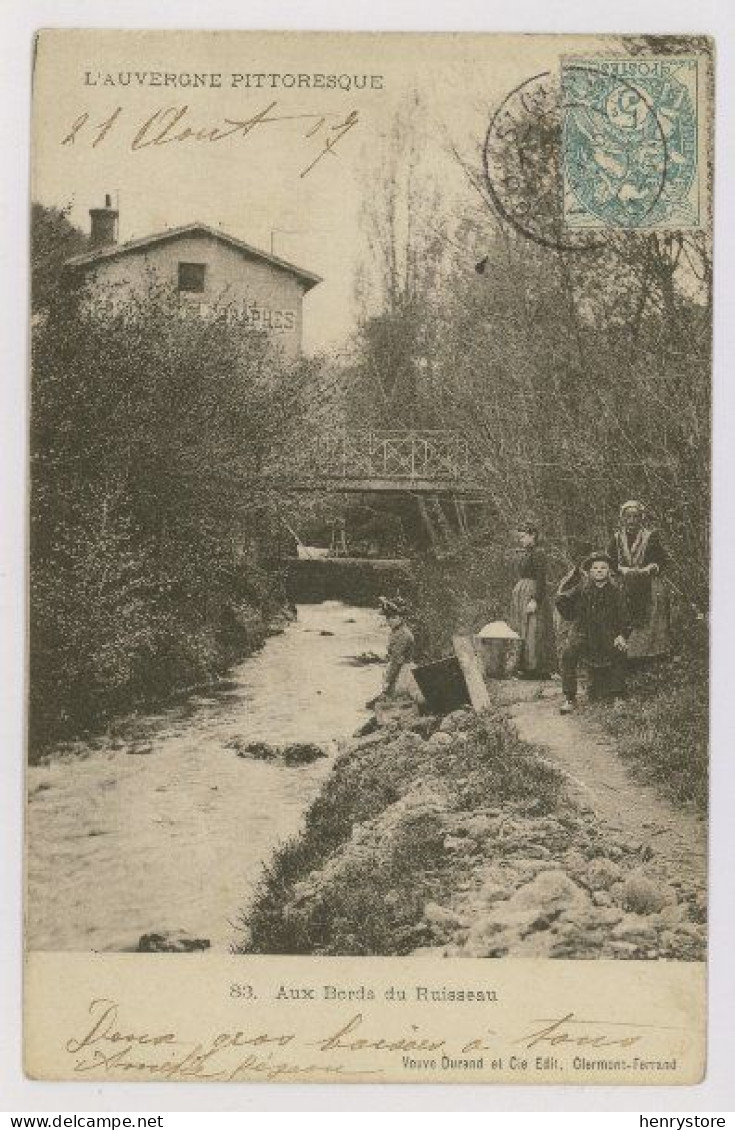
175	125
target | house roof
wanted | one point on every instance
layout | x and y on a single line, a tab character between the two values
115	251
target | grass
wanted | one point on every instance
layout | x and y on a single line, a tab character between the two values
661	729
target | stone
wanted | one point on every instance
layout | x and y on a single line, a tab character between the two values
575	863
365	741
601	898
367	728
589	918
440	739
643	896
459	843
537	850
673	913
534	865
532	909
478	825
635	928
492	891
624	949
550	890
425	725
601	873
443	916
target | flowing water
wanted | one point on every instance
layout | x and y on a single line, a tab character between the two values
168	828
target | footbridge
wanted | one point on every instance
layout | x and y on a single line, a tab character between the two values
433	472
420	462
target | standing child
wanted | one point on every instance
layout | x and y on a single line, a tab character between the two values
590	598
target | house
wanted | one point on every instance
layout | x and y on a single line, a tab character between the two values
209	270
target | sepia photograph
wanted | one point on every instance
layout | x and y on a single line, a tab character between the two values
369	510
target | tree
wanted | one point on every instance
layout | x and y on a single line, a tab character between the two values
54	239
154	441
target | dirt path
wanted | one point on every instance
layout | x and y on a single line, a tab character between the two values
630	810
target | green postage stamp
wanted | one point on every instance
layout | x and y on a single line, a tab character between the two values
631	142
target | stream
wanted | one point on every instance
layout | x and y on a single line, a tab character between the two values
163	827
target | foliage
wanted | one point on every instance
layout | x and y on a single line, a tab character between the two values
54	239
155	531
580	378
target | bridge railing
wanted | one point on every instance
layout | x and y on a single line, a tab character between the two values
395	455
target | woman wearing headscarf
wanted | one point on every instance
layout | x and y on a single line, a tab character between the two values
530	608
638	556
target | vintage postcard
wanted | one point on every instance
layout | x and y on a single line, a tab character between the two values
369	557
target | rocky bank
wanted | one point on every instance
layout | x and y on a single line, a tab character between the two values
453	836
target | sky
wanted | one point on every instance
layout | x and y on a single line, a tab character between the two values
106	122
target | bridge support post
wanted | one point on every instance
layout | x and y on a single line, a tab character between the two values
427	522
461	512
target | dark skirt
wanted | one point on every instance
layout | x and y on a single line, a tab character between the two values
650	636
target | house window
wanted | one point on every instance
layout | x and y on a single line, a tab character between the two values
191	277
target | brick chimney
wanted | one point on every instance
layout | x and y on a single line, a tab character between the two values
104	224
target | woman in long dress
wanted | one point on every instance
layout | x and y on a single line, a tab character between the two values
530	608
638	556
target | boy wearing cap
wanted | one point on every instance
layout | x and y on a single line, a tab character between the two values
590	598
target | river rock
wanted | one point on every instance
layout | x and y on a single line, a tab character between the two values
302	753
575	864
549	891
457	720
425	725
635	928
532	909
643	896
623	949
440	739
366	741
673	913
171	941
460	843
260	751
536	851
298	753
492	890
478	826
601	873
